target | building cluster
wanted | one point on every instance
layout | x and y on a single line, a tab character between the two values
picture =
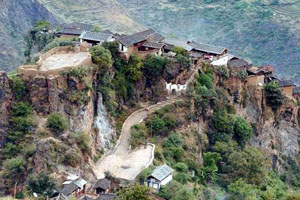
150	42
106	188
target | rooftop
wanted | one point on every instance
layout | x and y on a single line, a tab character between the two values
149	34
207	48
106	197
238	63
296	90
285	83
69	189
103	184
96	36
178	43
161	172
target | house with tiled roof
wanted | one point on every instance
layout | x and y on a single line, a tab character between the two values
102	186
73	30
207	49
95	38
141	43
286	87
160	176
296	92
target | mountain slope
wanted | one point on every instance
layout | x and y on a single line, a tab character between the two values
16	18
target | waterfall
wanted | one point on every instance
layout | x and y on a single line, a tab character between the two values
105	131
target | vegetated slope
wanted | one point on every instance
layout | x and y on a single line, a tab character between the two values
265	32
16	18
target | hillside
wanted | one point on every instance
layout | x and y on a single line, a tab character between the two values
16	19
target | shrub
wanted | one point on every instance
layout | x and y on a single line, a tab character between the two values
181	167
174	140
18	87
182	178
21	109
79	72
72	158
101	57
57	123
169	191
135	192
209	170
184	194
206	80
154	66
138	135
242	131
83	141
156	125
58	42
14	168
11	150
273	94
41	184
21	124
113	47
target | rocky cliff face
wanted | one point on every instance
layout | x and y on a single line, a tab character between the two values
278	131
5	101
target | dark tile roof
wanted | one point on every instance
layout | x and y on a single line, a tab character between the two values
69	189
238	63
71	31
170	43
154	45
285	83
95	36
296	90
86	198
196	54
149	34
207	48
106	197
103	184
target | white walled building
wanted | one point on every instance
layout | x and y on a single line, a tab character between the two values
161	176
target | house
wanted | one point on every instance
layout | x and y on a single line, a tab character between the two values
209	51
287	87
141	44
95	38
238	63
296	92
102	186
73	30
161	176
74	186
256	76
223	60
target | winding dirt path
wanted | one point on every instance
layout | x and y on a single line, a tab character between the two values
122	162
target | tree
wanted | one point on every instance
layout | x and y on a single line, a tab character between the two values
205	80
169	191
184	194
14	168
273	94
242	131
21	109
209	169
57	123
134	193
41	184
101	57
113	47
241	190
133	70
18	87
138	134
154	66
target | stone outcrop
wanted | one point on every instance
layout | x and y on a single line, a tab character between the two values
5	101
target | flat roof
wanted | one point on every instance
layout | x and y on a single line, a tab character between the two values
58	61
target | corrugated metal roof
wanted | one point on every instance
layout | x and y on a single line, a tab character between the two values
161	172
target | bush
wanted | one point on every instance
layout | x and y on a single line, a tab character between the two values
41	184
174	140
57	123
242	131
206	80
169	191
101	57
83	142
138	135
14	168
134	193
59	42
72	158
181	167
273	94
113	47
154	66
184	194
18	87
21	109
21	124
182	178
79	72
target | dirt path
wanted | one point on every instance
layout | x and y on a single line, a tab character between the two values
122	162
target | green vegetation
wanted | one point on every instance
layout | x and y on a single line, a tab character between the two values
41	184
18	87
21	109
57	123
273	94
154	66
138	134
102	57
59	42
135	192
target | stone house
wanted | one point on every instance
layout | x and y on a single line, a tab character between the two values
141	44
209	51
74	186
256	76
102	186
161	176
